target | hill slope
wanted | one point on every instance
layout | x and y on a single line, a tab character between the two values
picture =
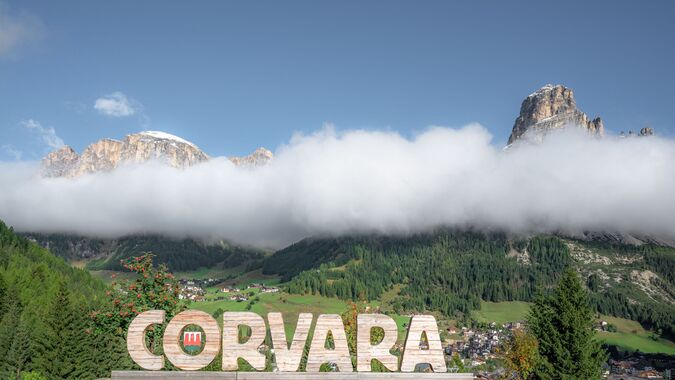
44	315
451	272
177	254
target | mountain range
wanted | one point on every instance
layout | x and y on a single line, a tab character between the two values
449	271
108	154
550	108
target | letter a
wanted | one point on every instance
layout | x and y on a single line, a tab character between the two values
319	354
414	354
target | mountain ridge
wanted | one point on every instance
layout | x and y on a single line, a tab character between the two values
108	154
549	108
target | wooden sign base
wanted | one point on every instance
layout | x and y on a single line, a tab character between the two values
136	375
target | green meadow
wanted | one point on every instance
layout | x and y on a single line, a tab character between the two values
501	312
630	335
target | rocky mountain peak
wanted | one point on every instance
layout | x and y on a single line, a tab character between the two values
259	157
552	107
108	154
59	162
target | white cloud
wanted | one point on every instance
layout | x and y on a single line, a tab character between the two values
17	29
367	181
117	104
47	135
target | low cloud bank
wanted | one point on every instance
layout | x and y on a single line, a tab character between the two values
365	181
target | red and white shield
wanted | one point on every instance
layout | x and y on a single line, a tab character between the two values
192	339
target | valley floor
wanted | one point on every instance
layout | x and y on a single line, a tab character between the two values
629	335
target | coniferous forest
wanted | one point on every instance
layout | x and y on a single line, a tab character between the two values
451	272
45	309
59	322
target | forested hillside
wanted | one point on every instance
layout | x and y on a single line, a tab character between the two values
450	272
45	324
177	254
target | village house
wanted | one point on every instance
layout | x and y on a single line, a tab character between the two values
238	298
191	292
227	289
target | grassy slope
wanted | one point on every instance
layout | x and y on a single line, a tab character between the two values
290	305
630	335
502	312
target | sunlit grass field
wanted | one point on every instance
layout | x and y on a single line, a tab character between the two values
630	335
502	312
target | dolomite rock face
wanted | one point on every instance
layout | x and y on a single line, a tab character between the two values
175	151
259	157
103	155
59	162
107	154
549	108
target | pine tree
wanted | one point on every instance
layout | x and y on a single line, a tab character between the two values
8	326
77	352
62	349
19	357
49	345
3	296
563	326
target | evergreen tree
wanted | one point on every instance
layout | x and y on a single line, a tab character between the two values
77	352
563	326
8	326
47	346
3	296
19	357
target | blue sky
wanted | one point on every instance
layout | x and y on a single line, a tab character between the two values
232	76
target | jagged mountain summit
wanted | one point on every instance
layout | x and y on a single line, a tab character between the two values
259	157
108	154
549	108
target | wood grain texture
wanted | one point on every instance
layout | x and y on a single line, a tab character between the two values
232	349
413	354
318	354
173	349
288	358
297	376
136	340
133	375
365	351
416	376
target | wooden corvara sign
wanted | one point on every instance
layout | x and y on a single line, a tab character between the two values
288	356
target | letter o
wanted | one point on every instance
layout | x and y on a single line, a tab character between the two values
175	353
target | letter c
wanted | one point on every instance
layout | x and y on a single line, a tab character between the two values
136	340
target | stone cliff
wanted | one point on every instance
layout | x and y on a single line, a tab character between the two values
549	108
107	154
